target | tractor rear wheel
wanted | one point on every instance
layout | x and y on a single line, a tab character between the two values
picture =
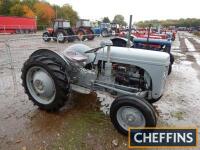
90	34
61	36
46	37
81	35
46	82
129	111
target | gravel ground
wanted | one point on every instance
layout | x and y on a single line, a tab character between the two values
80	124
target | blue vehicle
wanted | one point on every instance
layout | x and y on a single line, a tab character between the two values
104	29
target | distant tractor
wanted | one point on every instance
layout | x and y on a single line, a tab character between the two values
84	30
115	28
103	29
60	32
106	29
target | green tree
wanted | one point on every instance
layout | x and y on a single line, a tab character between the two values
106	20
189	22
5	6
119	19
29	3
17	10
67	12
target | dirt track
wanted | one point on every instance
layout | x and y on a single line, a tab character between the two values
80	125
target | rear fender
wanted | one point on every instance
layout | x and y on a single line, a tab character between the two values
58	57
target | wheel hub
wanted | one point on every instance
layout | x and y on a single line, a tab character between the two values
60	36
40	84
128	116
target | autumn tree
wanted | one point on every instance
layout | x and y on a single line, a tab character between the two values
28	12
44	12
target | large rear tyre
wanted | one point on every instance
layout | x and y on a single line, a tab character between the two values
81	35
46	37
90	34
61	36
128	111
45	82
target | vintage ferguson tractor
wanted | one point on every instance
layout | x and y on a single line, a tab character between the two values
131	78
60	32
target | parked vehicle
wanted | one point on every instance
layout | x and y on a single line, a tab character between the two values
162	45
12	24
132	78
60	31
84	30
115	28
104	29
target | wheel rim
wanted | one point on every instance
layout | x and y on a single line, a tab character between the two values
40	85
45	37
128	116
60	36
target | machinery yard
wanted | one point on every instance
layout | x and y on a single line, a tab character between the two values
81	123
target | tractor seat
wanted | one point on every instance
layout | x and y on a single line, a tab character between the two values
75	56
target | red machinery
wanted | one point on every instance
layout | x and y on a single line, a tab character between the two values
12	24
151	35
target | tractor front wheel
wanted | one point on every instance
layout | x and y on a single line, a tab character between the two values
46	37
45	82
129	111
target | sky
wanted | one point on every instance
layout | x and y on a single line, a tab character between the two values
140	9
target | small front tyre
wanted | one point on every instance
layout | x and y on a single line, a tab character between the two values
46	37
129	111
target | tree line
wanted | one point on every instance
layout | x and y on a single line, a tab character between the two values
189	22
118	19
41	10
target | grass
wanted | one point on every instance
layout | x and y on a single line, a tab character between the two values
178	114
89	130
